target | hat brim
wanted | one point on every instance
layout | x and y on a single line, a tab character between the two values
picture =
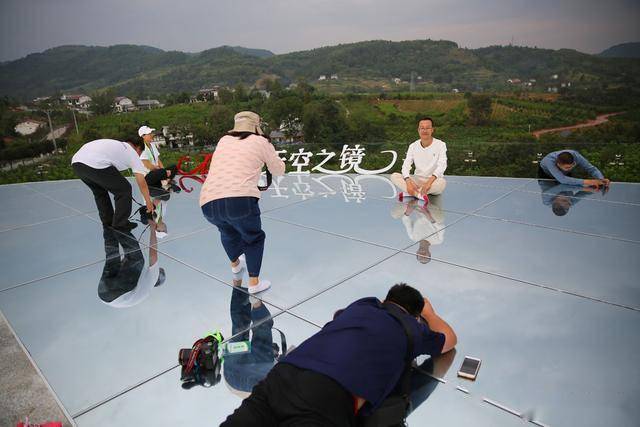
247	127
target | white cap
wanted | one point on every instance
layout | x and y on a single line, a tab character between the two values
145	130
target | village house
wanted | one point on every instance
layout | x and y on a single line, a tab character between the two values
334	77
290	131
79	101
322	77
41	99
208	94
123	104
148	104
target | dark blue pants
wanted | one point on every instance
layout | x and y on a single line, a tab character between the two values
238	220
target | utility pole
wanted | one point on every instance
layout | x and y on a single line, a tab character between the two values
412	87
53	135
73	111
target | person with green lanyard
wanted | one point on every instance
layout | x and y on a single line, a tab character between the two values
156	172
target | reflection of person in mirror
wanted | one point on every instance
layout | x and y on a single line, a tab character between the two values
350	366
243	371
429	155
422	385
128	280
561	197
229	196
559	166
424	224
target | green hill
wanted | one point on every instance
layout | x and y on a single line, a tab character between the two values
624	50
147	71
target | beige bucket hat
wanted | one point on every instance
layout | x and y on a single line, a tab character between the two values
247	121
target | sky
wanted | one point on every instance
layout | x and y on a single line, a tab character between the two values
28	26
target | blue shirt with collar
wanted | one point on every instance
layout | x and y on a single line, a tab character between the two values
548	164
364	350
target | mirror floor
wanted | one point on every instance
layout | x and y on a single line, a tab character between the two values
540	281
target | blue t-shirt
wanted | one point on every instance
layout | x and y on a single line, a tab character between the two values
548	164
364	349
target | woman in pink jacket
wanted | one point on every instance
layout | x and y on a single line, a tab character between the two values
229	196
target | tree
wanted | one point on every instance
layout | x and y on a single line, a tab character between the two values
221	121
91	133
240	93
102	102
281	109
203	134
225	96
323	122
480	107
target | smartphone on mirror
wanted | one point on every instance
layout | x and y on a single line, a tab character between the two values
470	367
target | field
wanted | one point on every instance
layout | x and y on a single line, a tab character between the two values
504	146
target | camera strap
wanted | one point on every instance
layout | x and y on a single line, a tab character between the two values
400	316
269	180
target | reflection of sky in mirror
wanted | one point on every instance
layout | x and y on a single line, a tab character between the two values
331	240
30	26
534	345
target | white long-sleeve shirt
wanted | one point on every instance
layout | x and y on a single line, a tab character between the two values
420	228
428	161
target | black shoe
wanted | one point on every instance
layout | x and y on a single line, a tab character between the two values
175	188
127	227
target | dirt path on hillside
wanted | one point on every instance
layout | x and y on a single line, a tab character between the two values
602	118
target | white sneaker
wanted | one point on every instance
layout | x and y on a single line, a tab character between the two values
238	270
262	285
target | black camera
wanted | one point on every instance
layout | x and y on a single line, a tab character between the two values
145	216
201	364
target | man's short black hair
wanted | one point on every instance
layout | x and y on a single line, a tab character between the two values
566	158
407	297
433	124
559	208
136	141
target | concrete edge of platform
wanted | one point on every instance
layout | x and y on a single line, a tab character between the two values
25	392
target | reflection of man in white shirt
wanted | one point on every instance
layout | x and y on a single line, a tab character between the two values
429	155
113	288
424	225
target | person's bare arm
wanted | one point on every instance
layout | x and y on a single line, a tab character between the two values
149	165
145	191
412	187
437	324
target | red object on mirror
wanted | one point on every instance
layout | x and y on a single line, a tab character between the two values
201	169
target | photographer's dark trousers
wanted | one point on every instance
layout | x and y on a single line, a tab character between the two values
290	396
238	220
155	177
105	181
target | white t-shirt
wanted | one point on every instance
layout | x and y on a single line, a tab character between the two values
419	227
431	160
103	153
152	154
141	292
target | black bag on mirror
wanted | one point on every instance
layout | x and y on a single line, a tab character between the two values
394	409
201	364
